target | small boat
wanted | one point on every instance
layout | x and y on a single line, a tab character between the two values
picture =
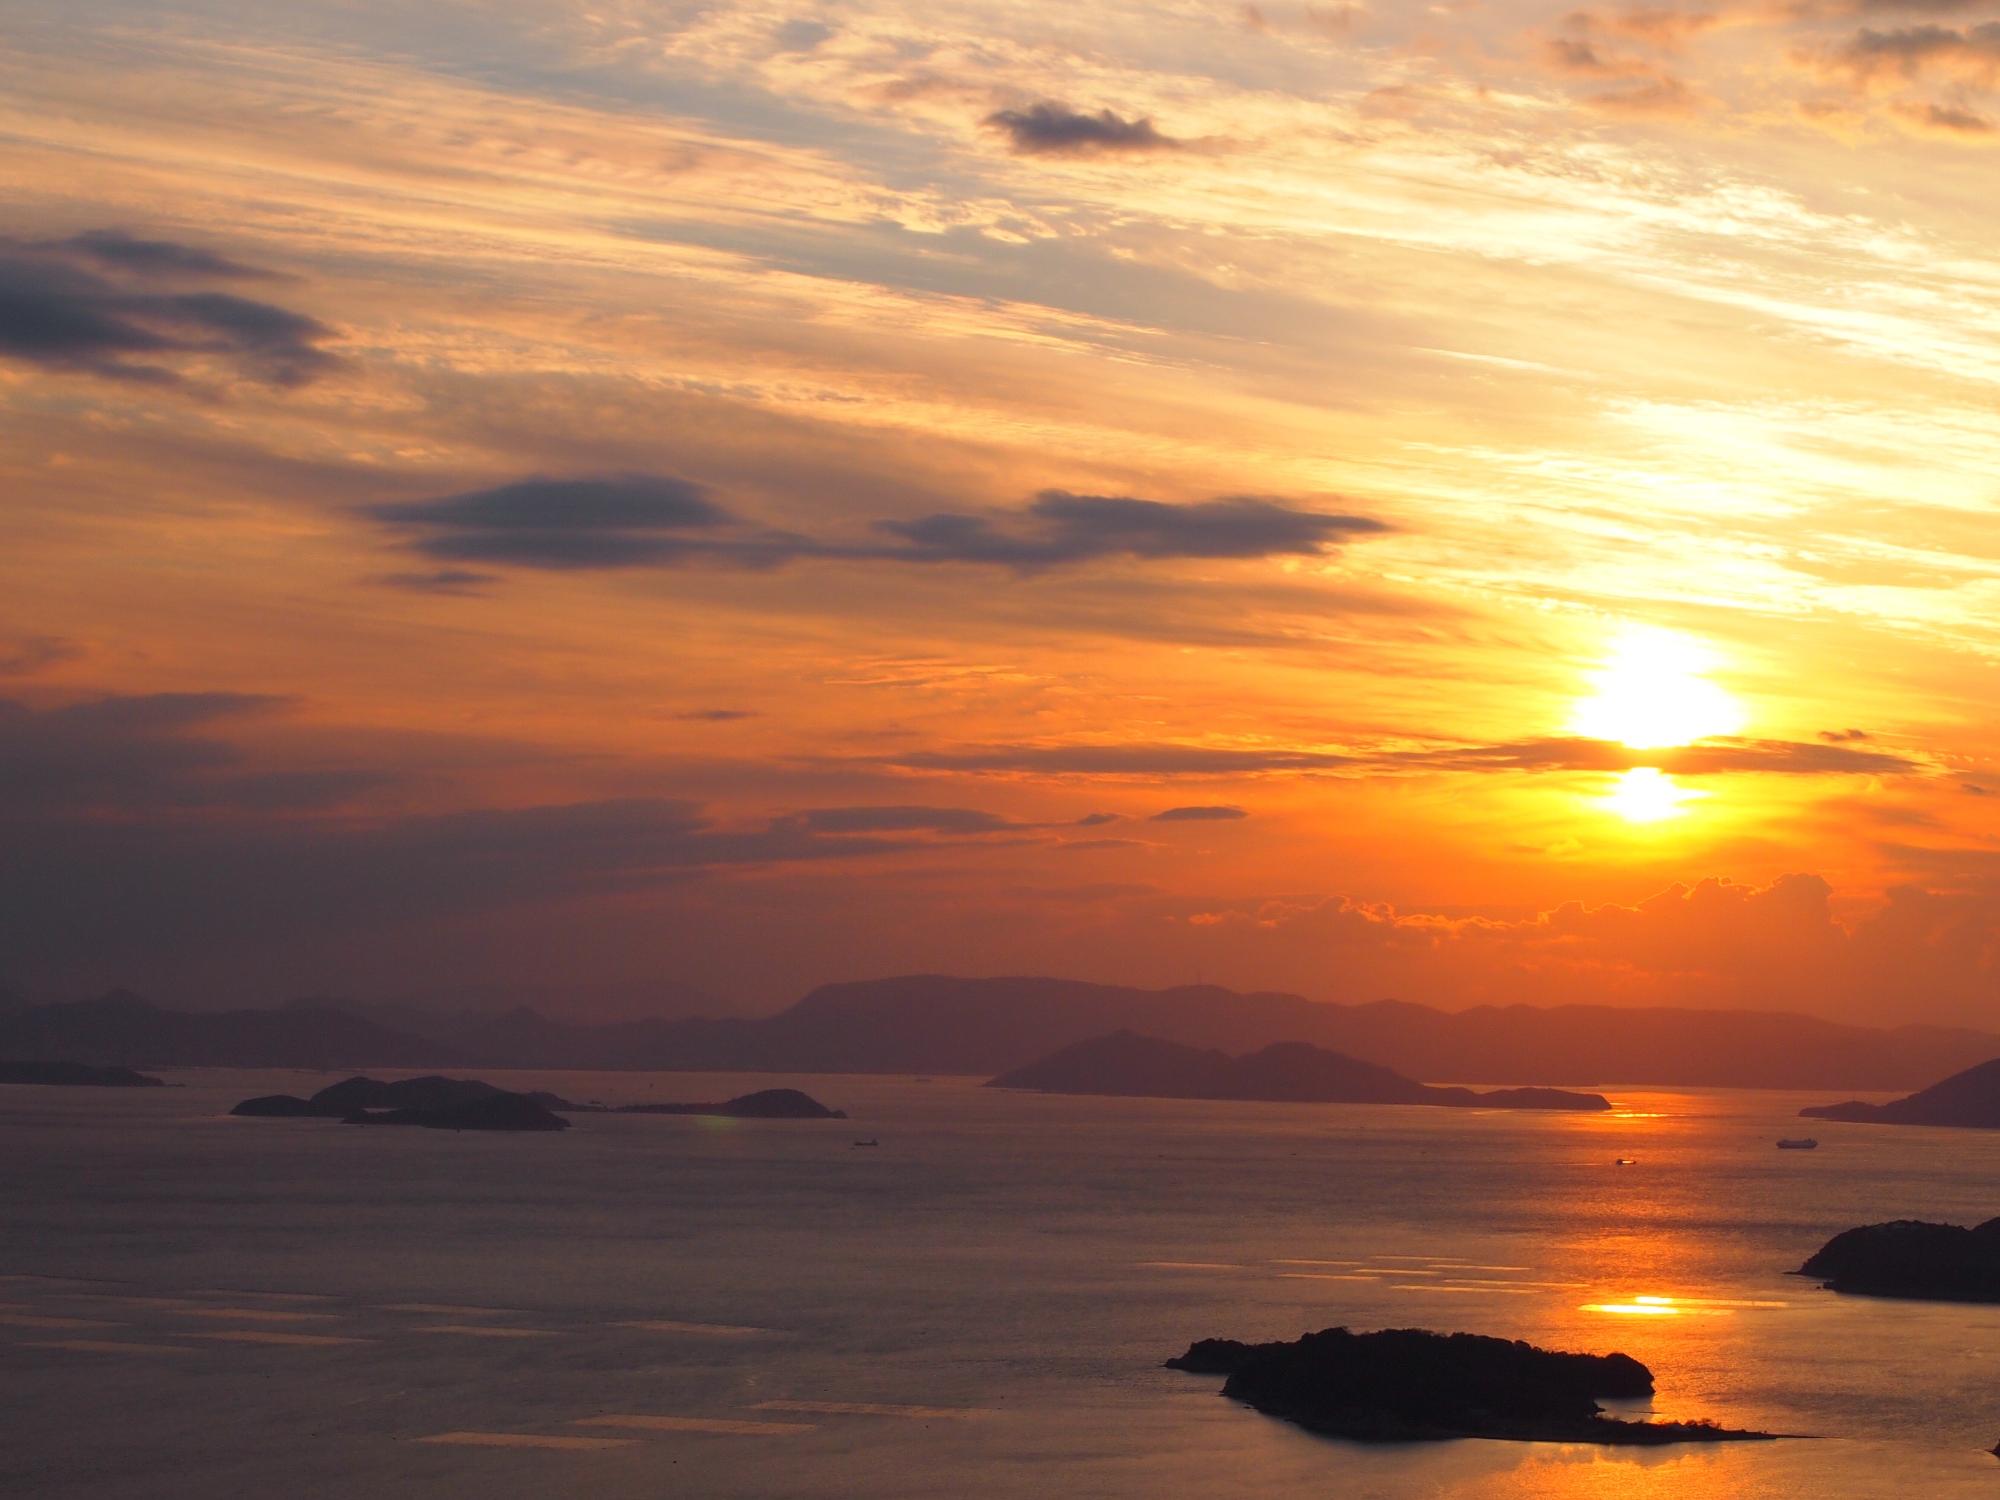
1803	1143
1626	1161
871	1141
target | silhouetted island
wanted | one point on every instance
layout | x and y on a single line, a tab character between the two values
1910	1258
1130	1065
1410	1385
497	1111
75	1075
473	1104
338	1101
1970	1100
765	1104
436	1102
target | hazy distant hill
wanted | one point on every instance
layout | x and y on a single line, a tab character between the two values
928	1023
123	1029
1129	1065
1969	1099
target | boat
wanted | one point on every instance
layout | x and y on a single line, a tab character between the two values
1626	1161
871	1141
1803	1143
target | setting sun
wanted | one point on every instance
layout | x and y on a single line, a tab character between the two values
1653	690
1647	795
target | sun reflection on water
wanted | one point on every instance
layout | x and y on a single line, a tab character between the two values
1651	1306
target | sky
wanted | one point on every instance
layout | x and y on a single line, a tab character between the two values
1480	502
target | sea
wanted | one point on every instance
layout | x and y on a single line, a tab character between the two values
979	1305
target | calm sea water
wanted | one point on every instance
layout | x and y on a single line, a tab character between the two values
999	1280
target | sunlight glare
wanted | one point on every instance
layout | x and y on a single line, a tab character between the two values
1653	690
1646	795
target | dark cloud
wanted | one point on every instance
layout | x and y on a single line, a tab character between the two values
1199	815
1051	129
30	654
617	521
716	715
81	889
1059	527
1844	736
154	753
118	250
1946	119
440	581
903	819
1913	51
802	34
1095	820
1143	760
108	305
645	520
1707	758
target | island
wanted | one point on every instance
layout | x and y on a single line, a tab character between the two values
496	1111
1127	1064
76	1076
1969	1100
1410	1385
473	1104
1913	1259
765	1104
433	1101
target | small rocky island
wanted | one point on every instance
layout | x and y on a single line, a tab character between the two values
765	1104
1133	1066
76	1075
1410	1385
473	1104
1969	1100
435	1102
1910	1258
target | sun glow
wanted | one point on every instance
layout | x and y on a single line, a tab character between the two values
1646	795
1653	690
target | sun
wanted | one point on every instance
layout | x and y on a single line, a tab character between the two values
1653	690
1647	795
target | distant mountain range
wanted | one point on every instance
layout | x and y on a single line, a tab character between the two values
930	1023
1128	1065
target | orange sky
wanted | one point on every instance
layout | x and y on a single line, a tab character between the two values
1478	502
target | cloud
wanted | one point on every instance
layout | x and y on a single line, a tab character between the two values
150	754
1945	119
1718	756
1138	760
105	304
1052	129
1198	815
649	520
1972	55
617	521
1844	736
28	655
716	715
80	889
903	819
1713	943
118	250
440	581
1660	96
1060	528
1713	757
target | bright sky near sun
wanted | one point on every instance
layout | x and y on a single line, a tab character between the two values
1475	502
